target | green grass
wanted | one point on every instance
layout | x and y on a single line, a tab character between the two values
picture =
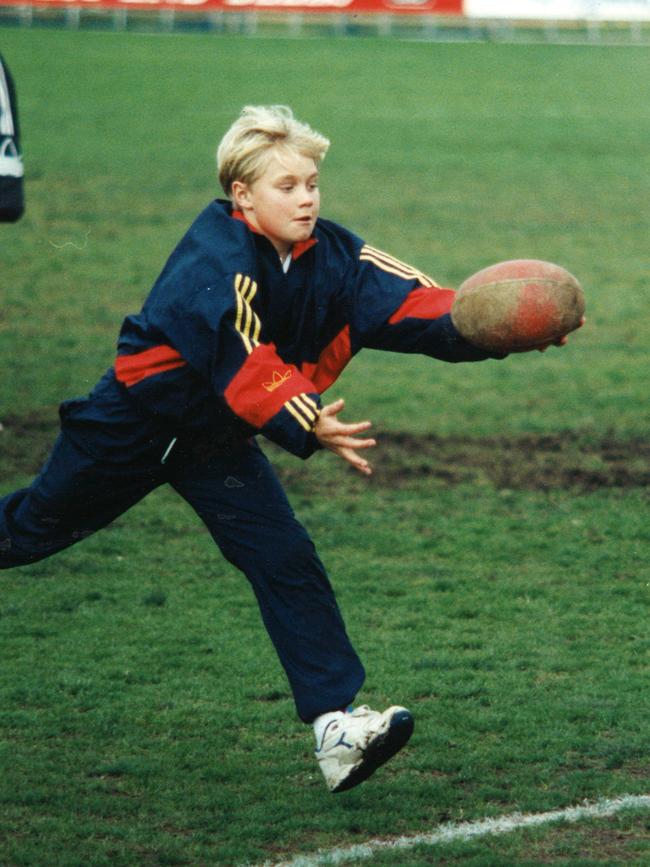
144	717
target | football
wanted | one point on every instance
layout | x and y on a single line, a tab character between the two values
518	305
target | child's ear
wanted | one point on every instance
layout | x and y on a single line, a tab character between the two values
240	195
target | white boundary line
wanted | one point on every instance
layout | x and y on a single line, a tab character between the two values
466	831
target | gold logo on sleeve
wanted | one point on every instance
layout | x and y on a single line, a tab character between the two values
277	380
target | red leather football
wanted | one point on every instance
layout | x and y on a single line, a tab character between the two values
517	305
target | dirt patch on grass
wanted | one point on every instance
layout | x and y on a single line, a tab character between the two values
537	462
530	461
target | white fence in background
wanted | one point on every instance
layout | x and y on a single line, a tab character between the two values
622	22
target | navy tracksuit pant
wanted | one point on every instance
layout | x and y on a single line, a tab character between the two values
239	498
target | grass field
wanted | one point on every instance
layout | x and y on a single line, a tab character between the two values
493	572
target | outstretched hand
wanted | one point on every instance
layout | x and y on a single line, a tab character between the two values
341	438
562	341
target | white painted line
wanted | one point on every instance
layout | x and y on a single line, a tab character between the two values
466	831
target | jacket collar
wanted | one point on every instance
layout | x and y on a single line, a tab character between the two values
297	250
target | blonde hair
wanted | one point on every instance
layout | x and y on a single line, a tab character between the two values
245	148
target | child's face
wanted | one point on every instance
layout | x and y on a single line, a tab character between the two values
284	202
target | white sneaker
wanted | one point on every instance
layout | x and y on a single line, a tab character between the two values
355	744
11	163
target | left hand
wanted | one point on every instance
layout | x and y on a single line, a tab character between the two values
562	341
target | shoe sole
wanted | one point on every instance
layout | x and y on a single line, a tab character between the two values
380	750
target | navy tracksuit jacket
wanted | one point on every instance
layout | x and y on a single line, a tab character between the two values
226	346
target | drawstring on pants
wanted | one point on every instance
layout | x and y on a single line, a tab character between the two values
168	450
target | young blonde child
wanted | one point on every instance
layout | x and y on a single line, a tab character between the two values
255	314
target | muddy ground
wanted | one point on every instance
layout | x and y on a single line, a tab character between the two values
530	461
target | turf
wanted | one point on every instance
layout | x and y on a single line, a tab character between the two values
492	572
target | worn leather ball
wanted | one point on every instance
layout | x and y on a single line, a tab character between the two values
517	305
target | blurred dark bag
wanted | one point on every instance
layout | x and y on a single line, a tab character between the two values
12	201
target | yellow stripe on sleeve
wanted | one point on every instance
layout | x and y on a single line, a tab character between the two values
391	265
307	405
247	322
298	417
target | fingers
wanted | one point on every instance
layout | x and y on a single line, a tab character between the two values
350	429
561	341
344	442
359	463
330	428
333	408
355	460
343	439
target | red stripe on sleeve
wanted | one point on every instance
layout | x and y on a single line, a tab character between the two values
424	303
331	361
131	369
263	385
